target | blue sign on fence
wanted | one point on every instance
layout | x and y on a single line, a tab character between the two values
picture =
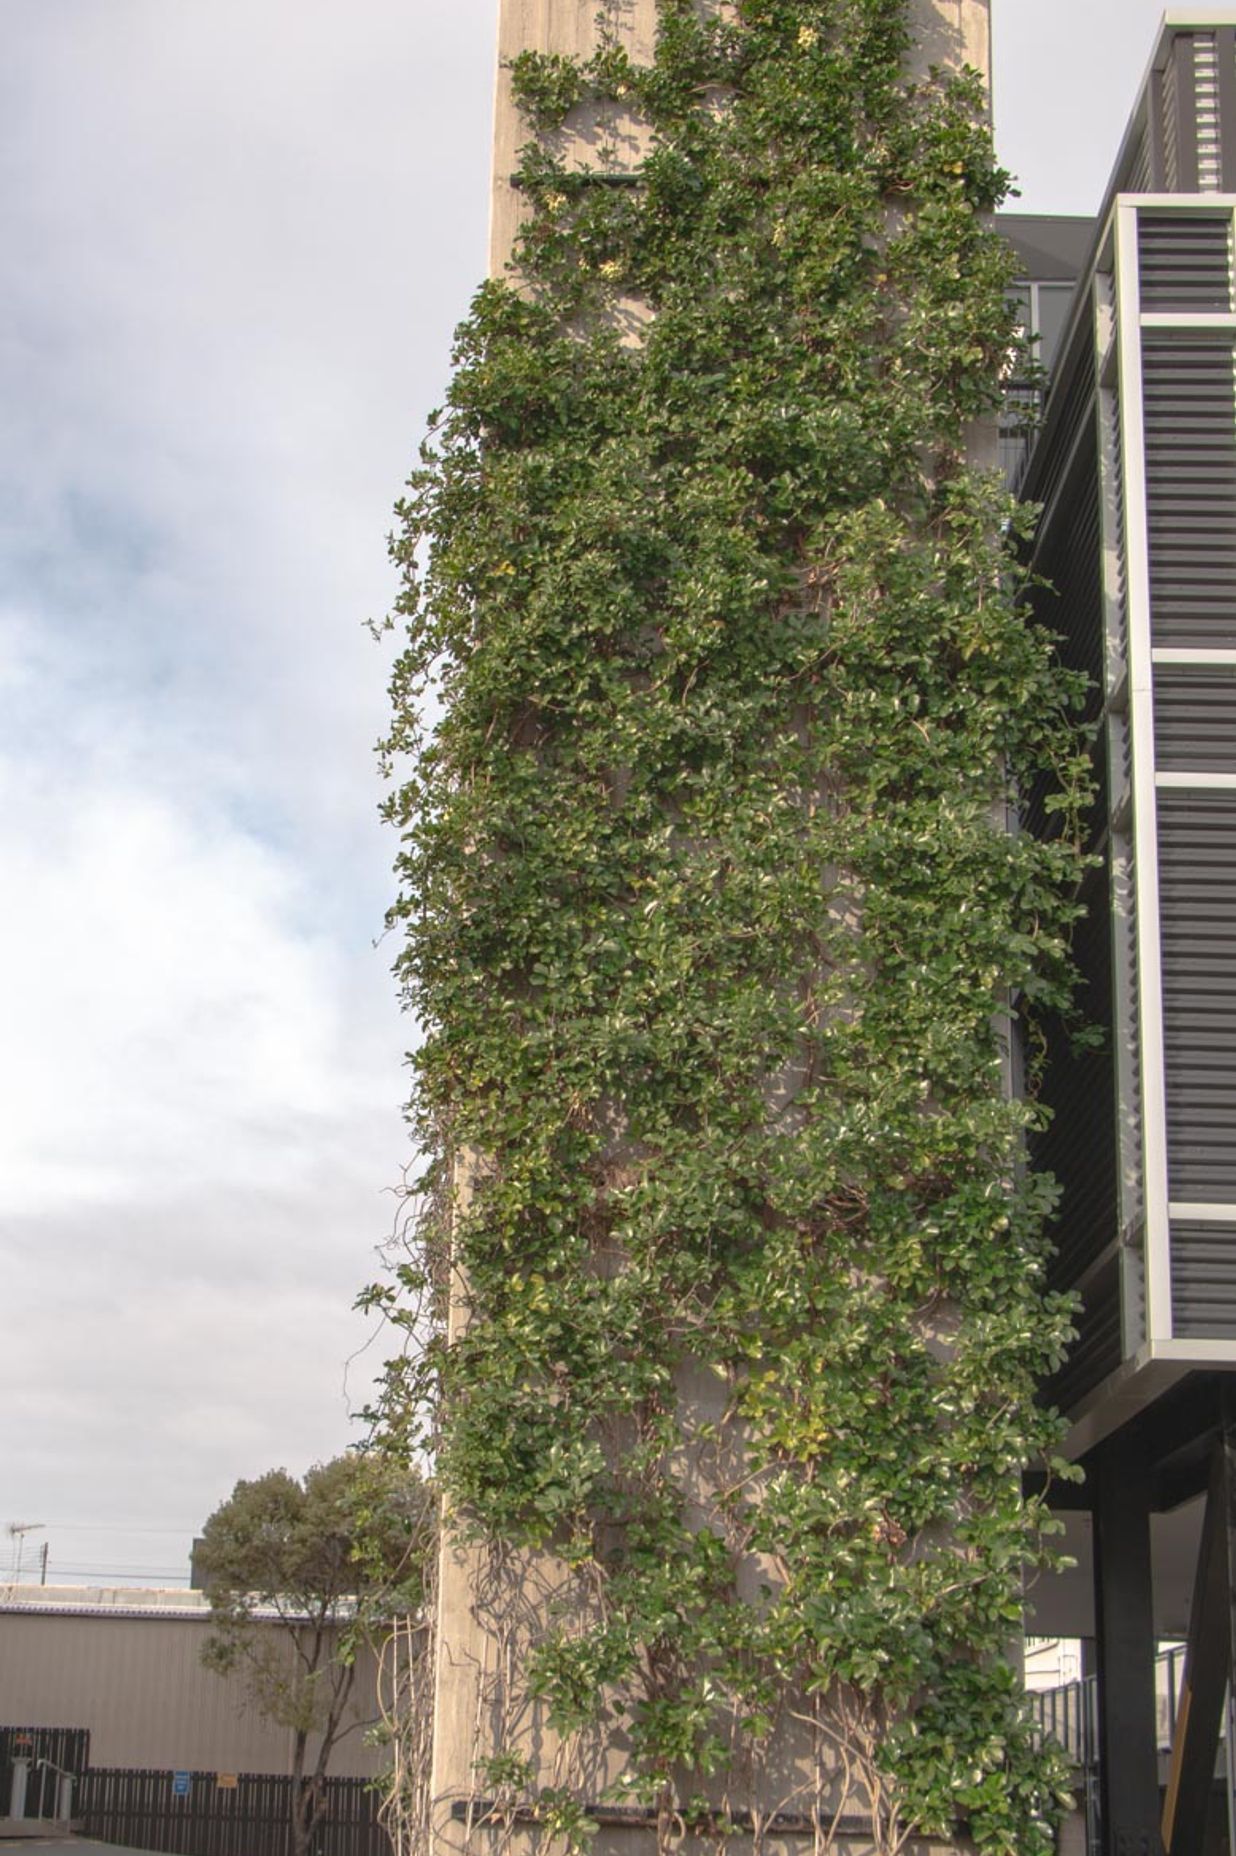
180	1784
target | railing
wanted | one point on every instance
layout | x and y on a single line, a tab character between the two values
1070	1715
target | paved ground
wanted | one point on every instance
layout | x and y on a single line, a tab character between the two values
75	1846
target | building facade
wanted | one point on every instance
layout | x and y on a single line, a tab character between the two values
126	1667
1135	472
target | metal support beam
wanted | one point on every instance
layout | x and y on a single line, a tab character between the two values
1124	1614
1186	114
1156	133
1208	1664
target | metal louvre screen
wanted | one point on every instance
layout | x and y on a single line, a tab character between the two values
1185	261
1139	177
1207	111
1195	718
1171	127
1190	412
1204	1280
1197	874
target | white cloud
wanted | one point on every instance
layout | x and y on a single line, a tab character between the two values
236	238
174	1019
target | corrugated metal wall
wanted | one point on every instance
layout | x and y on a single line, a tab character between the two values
138	1686
1079	1145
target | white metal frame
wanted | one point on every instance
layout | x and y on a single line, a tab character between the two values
1197	782
1147	1032
1175	655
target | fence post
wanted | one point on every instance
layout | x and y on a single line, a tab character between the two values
17	1791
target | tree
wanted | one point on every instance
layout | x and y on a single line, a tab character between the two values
329	1559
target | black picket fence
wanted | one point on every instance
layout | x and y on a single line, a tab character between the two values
48	1752
193	1814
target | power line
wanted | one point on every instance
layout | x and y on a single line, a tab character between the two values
110	1566
116	1527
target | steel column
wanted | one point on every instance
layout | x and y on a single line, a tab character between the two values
1208	1666
1124	1616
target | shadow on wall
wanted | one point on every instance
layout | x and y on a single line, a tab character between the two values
951	33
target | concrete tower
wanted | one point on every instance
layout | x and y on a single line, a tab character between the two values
489	1605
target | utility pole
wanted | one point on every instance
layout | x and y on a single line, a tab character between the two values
17	1531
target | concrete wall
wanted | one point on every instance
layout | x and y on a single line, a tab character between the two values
948	33
570	27
137	1683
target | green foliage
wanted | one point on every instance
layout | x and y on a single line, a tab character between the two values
298	1574
714	926
345	1541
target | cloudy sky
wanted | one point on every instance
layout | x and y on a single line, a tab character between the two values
236	235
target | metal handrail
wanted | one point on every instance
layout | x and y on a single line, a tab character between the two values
1070	1714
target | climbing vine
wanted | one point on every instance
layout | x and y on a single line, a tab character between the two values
716	695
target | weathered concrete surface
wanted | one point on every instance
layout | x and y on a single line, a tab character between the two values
487	1612
570	27
952	33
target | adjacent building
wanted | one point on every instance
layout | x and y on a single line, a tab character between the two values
1134	468
125	1665
110	1721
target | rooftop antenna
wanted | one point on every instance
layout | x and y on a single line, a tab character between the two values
17	1531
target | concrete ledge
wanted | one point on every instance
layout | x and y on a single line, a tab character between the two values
23	1829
